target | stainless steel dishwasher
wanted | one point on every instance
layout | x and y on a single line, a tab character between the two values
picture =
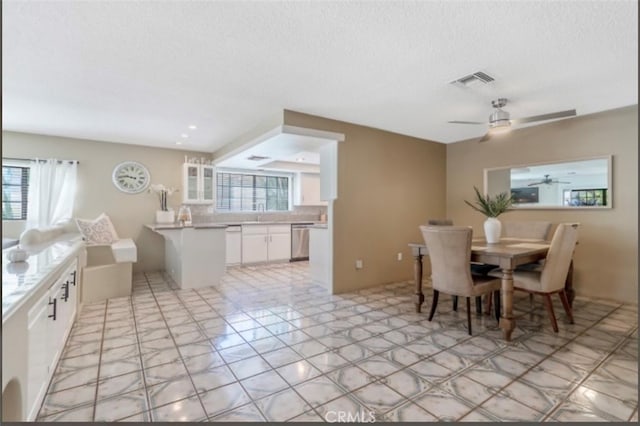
300	241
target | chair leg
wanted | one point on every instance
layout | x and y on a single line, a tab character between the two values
479	305
566	305
531	299
455	303
496	296
434	303
549	305
487	304
469	314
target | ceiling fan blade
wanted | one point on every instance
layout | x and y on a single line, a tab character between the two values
543	117
485	137
465	122
535	184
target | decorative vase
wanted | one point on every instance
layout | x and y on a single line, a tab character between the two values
17	255
164	216
492	229
184	216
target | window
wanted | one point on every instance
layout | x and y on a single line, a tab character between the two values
15	189
248	192
585	197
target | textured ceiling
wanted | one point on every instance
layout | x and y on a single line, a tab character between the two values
141	72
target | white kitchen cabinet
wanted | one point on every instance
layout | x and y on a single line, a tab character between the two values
255	248
279	242
264	243
307	190
48	326
198	182
234	245
38	355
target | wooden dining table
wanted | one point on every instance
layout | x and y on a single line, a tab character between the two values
506	255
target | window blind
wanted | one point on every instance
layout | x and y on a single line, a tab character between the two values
15	192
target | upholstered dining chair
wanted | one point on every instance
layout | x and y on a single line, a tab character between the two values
440	222
550	279
476	268
449	250
528	230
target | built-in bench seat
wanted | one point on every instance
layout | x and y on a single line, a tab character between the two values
109	270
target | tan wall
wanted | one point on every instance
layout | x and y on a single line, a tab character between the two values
606	259
388	185
96	192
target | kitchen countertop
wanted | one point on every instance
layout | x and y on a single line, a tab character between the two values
271	222
166	226
209	225
319	226
22	279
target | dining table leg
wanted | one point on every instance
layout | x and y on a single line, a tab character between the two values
507	320
417	276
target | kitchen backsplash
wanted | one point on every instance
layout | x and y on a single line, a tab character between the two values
205	214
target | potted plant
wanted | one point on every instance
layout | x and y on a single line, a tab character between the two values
165	214
491	207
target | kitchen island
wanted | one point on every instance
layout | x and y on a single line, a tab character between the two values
194	254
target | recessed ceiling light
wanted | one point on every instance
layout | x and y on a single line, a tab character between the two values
184	135
192	127
178	143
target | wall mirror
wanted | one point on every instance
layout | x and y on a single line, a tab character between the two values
583	183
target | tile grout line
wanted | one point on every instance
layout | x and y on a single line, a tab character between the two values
229	300
139	345
252	401
545	357
104	324
591	370
515	379
179	354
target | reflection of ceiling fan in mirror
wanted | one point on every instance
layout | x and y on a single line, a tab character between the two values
546	181
500	121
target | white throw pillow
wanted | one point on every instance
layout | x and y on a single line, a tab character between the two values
97	231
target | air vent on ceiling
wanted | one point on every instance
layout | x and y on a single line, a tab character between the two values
473	78
257	158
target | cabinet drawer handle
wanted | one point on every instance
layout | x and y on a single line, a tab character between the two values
74	277
66	291
55	305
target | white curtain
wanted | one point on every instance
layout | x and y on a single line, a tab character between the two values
52	191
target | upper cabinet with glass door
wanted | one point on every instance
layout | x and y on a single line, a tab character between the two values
198	183
584	183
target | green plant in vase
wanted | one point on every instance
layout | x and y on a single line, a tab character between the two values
491	207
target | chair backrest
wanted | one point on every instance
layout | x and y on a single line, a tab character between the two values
440	222
449	250
556	265
526	229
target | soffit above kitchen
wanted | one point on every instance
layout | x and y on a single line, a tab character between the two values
280	152
143	72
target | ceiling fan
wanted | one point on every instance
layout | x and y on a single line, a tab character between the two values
500	121
546	181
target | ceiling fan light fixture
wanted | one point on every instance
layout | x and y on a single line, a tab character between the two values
499	122
499	127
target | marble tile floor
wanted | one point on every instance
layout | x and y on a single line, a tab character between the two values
268	345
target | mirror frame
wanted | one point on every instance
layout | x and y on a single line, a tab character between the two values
609	159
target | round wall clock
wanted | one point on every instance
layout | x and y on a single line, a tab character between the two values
131	177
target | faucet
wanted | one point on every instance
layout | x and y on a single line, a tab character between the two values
259	208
